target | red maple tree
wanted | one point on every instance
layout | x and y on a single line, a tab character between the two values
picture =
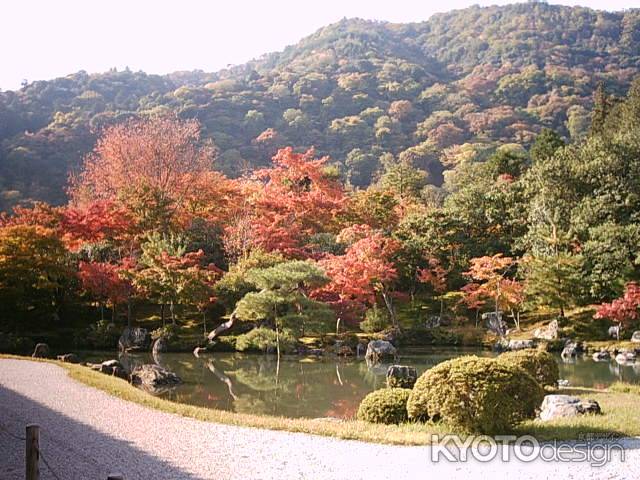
106	283
365	270
623	310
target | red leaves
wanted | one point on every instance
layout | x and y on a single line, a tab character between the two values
365	269
296	198
435	275
93	223
622	310
105	281
159	154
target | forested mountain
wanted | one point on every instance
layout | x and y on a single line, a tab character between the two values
369	94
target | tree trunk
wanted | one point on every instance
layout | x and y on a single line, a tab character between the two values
389	304
516	319
129	312
113	313
162	313
338	326
204	322
222	377
222	327
173	315
277	352
101	312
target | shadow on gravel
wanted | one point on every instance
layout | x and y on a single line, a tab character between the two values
72	449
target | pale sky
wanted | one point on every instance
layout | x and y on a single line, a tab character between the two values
43	39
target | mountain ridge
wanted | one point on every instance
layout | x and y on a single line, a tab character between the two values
360	91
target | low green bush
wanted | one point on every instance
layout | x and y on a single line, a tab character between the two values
476	395
375	320
539	364
101	335
170	332
388	406
263	339
10	343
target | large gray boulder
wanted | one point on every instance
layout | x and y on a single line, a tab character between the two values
601	356
433	321
615	332
69	358
550	332
154	378
110	367
566	406
378	350
520	344
401	376
626	357
495	323
41	351
134	339
635	338
570	350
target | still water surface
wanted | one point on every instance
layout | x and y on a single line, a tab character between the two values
322	387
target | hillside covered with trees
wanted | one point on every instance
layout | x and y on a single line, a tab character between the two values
380	99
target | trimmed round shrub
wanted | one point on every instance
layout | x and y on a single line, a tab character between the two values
388	405
476	395
539	364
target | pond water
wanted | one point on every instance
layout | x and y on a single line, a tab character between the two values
321	387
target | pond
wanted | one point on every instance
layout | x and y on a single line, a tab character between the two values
321	387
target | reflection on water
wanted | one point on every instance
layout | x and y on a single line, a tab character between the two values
321	387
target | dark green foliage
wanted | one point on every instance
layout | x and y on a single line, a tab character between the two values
539	364
545	145
478	395
102	335
10	343
264	340
387	405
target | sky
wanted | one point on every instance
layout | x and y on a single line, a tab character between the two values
44	39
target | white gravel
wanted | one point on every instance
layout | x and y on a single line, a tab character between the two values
87	434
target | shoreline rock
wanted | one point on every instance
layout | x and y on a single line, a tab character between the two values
566	406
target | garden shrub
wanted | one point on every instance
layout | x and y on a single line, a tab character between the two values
375	320
263	339
170	332
101	335
10	343
476	395
539	364
388	405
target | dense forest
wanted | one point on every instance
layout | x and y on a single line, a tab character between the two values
370	95
290	250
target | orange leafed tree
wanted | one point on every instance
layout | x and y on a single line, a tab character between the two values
94	222
144	163
106	283
291	200
436	276
489	275
365	270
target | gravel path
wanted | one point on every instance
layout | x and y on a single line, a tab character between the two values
87	434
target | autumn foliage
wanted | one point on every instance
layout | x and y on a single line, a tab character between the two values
365	270
623	310
163	154
490	282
